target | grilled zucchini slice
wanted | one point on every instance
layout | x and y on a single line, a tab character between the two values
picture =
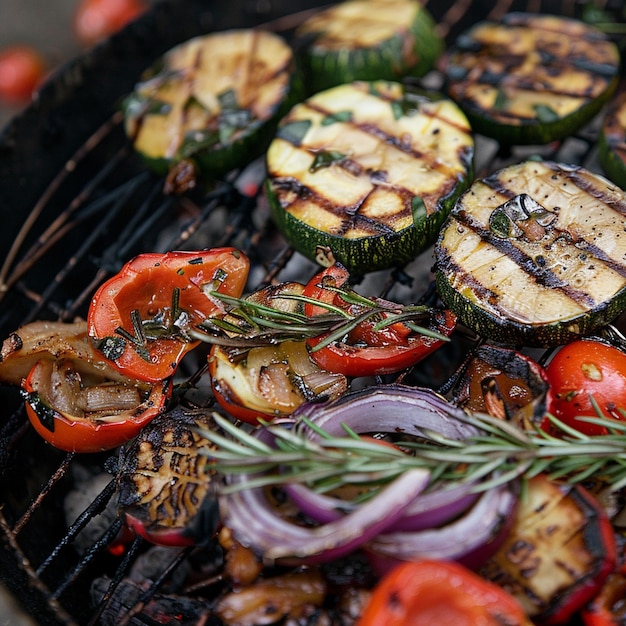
367	40
368	171
535	254
531	79
214	100
612	141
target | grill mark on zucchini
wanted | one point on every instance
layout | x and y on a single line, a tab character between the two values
362	222
531	79
529	265
586	185
427	158
549	243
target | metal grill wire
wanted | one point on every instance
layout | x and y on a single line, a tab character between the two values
79	234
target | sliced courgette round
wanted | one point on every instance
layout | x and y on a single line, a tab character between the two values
535	254
612	141
531	79
214	100
367	40
368	171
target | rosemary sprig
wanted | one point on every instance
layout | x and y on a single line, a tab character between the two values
249	323
499	453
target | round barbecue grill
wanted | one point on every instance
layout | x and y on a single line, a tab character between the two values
77	204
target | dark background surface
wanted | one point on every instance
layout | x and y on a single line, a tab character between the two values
44	24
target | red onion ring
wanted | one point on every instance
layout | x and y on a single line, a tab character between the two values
374	525
470	540
427	510
379	409
256	524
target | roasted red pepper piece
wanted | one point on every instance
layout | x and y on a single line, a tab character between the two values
608	608
367	350
58	406
138	318
442	593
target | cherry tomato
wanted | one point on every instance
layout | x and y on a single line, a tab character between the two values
139	316
95	20
429	593
582	370
56	394
21	70
368	350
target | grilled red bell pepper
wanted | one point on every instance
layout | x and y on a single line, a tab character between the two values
78	411
138	319
442	593
368	350
608	608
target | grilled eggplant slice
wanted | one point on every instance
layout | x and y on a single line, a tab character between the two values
166	493
612	141
367	40
531	79
535	254
213	100
558	554
368	171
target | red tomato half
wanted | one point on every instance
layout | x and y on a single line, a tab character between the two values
437	593
367	350
581	370
95	20
52	415
21	70
132	317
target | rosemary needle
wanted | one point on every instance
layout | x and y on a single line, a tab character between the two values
498	453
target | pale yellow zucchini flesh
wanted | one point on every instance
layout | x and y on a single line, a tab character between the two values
535	254
531	78
363	167
207	94
367	40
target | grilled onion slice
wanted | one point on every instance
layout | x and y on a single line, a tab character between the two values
535	254
531	78
369	171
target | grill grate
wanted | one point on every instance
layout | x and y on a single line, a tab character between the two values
101	209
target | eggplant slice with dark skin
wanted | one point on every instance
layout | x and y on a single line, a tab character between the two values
166	489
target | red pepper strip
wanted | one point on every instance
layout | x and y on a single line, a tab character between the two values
368	351
425	593
608	608
137	318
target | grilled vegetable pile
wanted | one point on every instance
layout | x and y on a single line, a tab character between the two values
301	460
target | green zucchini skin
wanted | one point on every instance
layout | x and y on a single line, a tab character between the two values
531	79
214	100
542	277
371	173
367	40
612	141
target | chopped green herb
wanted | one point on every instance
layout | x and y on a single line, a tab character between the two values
294	132
545	113
324	158
339	116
